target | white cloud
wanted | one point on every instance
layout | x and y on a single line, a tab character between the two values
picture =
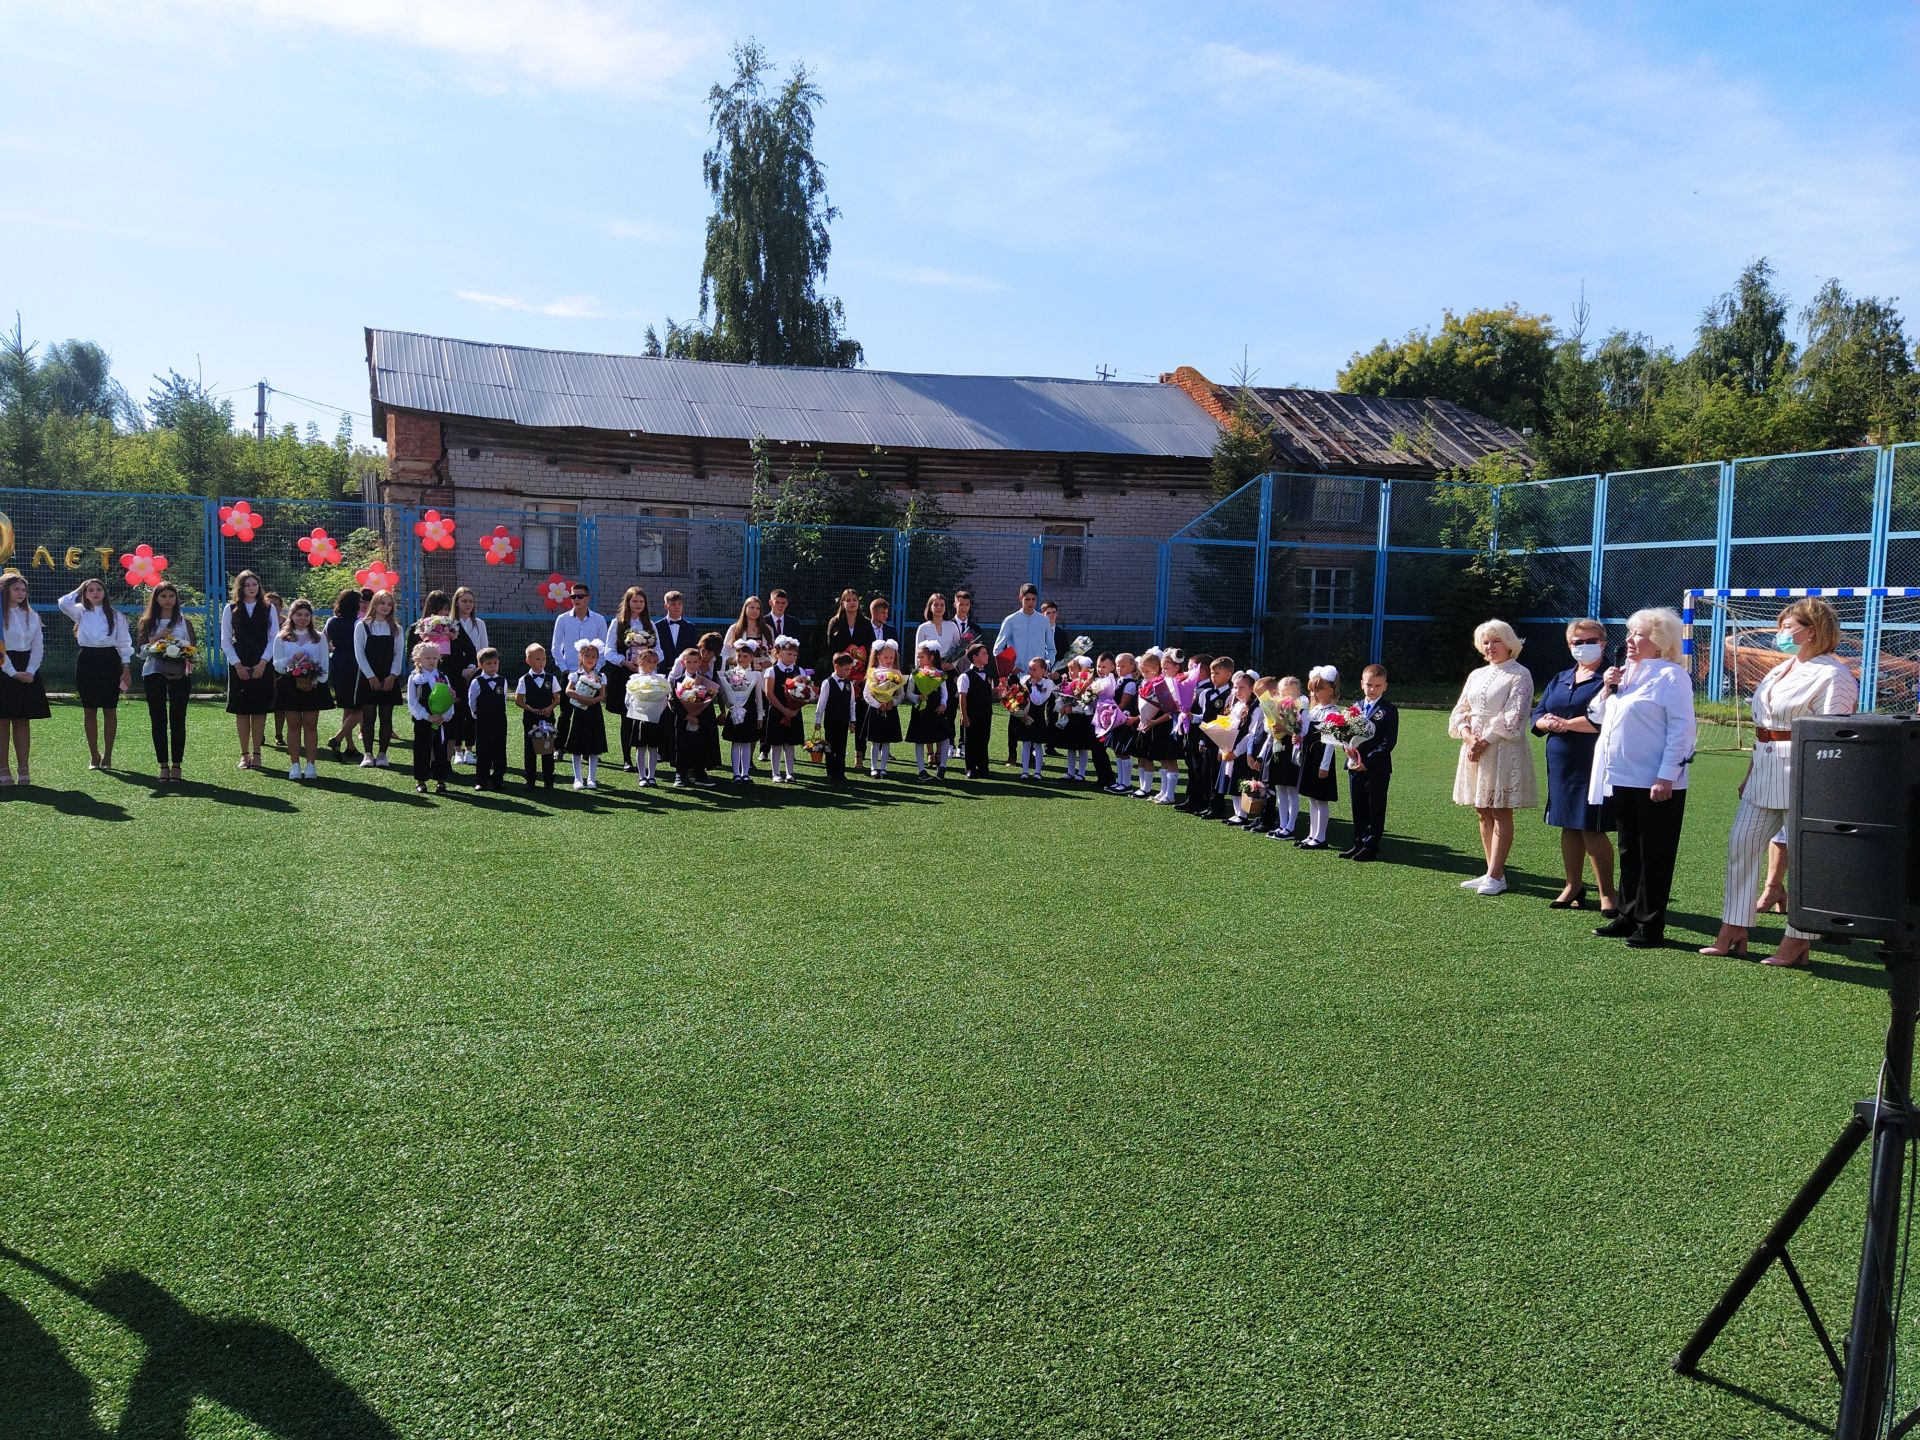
649	232
633	49
931	275
565	307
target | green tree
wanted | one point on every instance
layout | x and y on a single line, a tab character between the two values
23	411
767	241
1496	362
1856	377
1742	337
1244	450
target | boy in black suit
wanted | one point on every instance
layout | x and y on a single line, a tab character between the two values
1372	772
1210	701
675	632
833	713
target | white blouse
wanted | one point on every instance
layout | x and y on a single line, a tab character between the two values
178	628
1646	730
361	630
476	631
1818	685
226	630
943	637
24	632
314	648
103	628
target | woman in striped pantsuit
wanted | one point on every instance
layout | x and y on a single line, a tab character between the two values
1813	682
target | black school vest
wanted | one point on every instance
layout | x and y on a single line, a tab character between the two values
492	706
250	632
539	690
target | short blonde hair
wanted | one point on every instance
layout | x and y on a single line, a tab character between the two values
1819	617
1496	630
1589	623
1662	626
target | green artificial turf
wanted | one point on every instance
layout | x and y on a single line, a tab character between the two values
886	1111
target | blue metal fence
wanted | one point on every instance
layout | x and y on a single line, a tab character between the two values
1290	569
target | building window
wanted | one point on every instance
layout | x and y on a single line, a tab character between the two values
663	548
1339	500
551	541
1324	593
1063	553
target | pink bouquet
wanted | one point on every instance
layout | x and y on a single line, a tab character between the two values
437	631
801	690
1156	699
1345	728
1080	690
1182	688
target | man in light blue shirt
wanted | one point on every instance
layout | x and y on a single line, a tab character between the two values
1027	631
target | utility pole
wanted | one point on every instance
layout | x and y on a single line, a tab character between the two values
260	413
1103	372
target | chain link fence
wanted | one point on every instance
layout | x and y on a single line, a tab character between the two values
1289	571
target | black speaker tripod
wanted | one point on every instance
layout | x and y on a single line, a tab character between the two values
1888	1119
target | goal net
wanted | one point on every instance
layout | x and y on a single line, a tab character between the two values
1730	647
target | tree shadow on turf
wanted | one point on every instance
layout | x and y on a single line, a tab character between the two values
256	1370
1761	1402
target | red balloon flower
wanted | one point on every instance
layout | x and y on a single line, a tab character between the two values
435	531
239	520
143	567
377	577
555	591
321	548
499	547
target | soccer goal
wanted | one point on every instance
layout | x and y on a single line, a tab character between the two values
1729	645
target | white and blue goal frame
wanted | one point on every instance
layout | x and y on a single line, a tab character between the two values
1874	615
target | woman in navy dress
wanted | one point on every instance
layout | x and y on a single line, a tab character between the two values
1561	716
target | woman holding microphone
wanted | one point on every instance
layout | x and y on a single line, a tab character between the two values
1645	715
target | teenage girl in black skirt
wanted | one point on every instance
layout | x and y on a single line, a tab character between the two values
343	671
23	699
380	652
104	672
247	627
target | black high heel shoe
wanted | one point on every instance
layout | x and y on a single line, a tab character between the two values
1575	901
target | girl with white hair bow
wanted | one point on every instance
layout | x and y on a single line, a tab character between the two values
1319	772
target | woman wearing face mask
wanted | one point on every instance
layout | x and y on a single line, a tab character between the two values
1812	681
1561	716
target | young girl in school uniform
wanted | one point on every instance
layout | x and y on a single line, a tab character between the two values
785	721
380	655
1125	696
649	721
248	623
976	711
23	698
1073	729
930	727
1283	766
1246	761
1031	721
167	682
741	692
587	727
463	666
105	671
429	729
302	698
696	735
883	716
1319	761
1156	746
537	693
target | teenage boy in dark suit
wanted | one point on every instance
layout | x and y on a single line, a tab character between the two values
676	633
1372	770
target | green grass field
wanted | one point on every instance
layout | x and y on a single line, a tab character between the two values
333	1111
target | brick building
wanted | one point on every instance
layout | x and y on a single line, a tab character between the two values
659	453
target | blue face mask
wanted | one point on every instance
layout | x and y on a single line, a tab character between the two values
1784	642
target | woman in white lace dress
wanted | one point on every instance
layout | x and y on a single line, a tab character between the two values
1495	774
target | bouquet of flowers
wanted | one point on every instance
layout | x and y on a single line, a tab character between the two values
1345	728
439	698
1181	689
695	693
884	687
303	670
737	683
859	653
588	683
926	681
1013	695
1082	645
1220	730
171	656
1282	714
955	655
801	690
1254	789
647	697
1155	700
816	746
636	641
1081	690
437	631
1109	718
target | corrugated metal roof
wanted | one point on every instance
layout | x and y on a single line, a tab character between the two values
560	388
1329	430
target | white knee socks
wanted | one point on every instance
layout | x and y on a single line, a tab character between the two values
1317	812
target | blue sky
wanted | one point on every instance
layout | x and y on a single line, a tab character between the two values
244	184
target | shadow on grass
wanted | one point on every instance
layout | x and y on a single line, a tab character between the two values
224	795
1761	1402
256	1370
68	802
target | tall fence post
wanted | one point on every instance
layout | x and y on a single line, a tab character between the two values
1881	524
902	546
1596	563
1036	560
1722	568
1162	584
750	557
1382	538
1260	553
409	558
589	546
1494	510
214	585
